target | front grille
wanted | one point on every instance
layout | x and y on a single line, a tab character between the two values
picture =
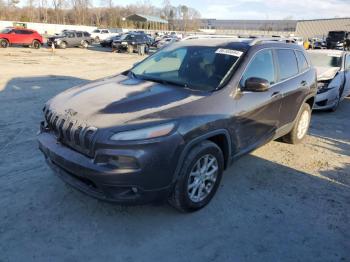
70	132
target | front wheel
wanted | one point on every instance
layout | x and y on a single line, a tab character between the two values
300	127
84	44
199	178
337	102
63	45
4	43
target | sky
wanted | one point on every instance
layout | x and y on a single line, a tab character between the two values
262	9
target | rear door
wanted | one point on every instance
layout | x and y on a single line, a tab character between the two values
346	91
71	39
259	112
292	82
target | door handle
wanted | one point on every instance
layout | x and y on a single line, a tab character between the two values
276	94
303	83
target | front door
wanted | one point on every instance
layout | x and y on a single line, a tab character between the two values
259	112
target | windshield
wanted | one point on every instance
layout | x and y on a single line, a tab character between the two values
337	35
325	60
123	37
96	31
197	67
6	31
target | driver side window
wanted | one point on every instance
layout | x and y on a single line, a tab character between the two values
261	66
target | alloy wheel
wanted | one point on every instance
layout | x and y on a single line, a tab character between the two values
202	178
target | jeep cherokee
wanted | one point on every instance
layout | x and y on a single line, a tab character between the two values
170	126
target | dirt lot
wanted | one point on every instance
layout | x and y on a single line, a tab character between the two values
279	203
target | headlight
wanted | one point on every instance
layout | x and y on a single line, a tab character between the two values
144	133
324	87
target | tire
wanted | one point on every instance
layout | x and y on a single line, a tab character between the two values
36	44
301	126
189	193
4	43
63	45
85	44
336	105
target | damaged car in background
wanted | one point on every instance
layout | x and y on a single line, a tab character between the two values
333	76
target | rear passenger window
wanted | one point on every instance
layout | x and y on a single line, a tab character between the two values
302	62
262	67
287	63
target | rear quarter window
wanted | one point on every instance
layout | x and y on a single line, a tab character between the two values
287	62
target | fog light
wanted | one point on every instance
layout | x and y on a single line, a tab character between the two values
123	162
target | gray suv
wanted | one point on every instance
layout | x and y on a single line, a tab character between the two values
167	128
70	39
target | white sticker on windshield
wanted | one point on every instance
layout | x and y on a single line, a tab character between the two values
224	51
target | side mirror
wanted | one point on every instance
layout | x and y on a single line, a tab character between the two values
256	84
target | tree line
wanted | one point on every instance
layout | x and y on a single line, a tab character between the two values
108	14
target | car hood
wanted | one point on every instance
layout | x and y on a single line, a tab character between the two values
120	100
326	73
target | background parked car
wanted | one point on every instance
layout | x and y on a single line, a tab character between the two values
338	40
102	34
129	42
20	36
318	43
333	76
166	41
108	41
71	39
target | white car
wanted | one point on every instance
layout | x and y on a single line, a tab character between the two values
102	34
333	77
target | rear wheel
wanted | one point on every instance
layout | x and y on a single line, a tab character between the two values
4	43
36	44
300	127
199	177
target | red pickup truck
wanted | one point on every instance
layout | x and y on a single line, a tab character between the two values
20	36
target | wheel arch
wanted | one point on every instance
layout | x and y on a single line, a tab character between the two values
220	137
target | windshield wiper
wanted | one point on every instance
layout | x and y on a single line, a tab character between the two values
163	81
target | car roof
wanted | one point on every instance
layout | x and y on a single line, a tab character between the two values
237	43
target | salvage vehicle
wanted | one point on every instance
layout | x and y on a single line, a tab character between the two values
318	43
102	34
108	41
168	127
333	77
70	39
129	42
338	40
20	36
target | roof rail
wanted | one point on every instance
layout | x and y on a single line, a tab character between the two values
207	36
260	40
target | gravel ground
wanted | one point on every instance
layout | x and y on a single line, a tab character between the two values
279	203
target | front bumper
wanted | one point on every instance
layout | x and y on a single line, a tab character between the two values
326	100
150	182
